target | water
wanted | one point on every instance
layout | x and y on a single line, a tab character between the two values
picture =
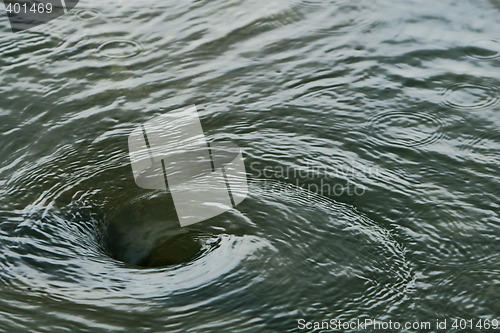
370	133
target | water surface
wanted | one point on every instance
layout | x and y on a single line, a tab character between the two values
370	133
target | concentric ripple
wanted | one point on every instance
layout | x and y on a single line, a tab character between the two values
483	49
86	14
470	96
63	255
246	259
120	49
405	129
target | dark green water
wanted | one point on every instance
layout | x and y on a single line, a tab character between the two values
370	136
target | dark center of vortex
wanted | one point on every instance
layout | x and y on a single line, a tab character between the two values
141	234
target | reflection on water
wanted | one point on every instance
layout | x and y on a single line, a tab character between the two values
408	90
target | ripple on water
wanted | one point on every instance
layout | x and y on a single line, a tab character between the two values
405	129
469	96
87	14
316	3
63	255
328	248
120	49
284	248
483	49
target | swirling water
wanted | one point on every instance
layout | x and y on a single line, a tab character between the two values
370	133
